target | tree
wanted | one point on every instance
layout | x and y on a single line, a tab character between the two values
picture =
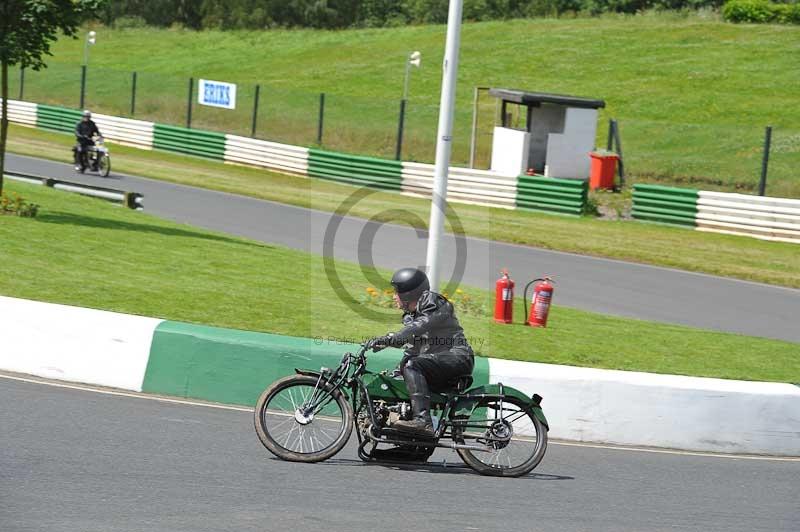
27	27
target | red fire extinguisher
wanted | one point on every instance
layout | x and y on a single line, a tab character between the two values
540	303
504	298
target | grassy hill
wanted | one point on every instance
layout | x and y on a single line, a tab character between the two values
692	94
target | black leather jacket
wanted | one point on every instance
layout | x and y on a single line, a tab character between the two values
85	130
432	327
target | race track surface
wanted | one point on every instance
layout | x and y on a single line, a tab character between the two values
73	460
594	284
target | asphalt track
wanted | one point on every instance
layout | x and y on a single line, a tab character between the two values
595	284
73	460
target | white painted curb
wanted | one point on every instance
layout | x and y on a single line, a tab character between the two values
75	344
647	409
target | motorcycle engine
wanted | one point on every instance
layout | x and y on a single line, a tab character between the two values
385	415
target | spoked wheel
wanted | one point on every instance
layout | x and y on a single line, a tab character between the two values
104	165
301	422
515	440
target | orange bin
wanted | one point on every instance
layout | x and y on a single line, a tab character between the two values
603	168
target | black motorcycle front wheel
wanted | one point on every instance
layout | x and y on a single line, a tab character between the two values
512	439
104	164
300	421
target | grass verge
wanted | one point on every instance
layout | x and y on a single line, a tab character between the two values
725	255
86	252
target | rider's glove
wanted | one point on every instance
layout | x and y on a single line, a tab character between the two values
382	342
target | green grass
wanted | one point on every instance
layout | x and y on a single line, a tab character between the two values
86	252
692	94
726	255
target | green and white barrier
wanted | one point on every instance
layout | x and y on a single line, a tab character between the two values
275	156
75	344
549	194
719	212
21	112
135	133
229	366
655	203
55	118
355	169
757	216
465	185
196	142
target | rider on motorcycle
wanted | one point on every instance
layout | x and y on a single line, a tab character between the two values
84	131
436	349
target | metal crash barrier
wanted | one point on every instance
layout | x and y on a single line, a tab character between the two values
131	200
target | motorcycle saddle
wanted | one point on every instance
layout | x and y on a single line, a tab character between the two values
458	384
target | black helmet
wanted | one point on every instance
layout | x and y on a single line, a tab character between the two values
409	283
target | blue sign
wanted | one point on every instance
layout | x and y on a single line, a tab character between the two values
216	94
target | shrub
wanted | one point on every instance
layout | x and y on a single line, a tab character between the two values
787	13
14	204
130	22
461	300
761	11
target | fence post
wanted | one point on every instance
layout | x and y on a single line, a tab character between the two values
189	105
133	94
400	126
610	134
321	117
621	166
255	111
762	185
21	82
83	85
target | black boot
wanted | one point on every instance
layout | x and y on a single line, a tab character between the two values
421	423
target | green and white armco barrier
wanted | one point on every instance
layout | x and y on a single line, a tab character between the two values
273	155
719	212
229	366
465	185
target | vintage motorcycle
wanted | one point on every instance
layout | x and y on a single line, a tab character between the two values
96	158
309	417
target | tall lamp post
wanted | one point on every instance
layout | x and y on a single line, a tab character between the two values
444	141
414	59
91	38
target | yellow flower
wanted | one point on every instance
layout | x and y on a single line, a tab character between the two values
459	291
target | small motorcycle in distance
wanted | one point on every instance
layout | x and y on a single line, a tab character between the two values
309	417
96	158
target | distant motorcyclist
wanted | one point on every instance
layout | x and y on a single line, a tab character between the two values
85	130
437	350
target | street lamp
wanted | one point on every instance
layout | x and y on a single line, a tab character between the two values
444	140
91	38
414	59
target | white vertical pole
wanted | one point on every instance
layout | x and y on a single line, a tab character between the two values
444	141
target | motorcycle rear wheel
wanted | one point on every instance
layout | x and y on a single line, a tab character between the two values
515	456
292	429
